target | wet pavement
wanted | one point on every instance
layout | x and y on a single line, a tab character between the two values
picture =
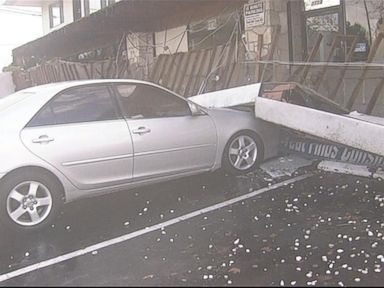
324	230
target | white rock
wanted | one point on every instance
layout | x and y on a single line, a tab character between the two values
324	258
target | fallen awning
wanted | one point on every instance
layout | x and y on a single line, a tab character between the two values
109	24
303	110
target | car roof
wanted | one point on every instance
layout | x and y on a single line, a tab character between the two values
59	86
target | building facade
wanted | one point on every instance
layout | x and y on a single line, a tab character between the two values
323	44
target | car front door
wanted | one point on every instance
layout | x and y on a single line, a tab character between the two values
82	134
167	138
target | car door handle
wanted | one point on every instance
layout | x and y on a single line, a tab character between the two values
141	130
43	139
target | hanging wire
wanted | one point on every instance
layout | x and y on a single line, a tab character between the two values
118	53
219	64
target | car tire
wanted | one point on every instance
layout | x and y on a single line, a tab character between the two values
29	200
243	153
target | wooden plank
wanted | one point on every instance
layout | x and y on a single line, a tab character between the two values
229	74
176	71
325	66
221	66
210	81
63	69
175	67
102	76
359	85
109	69
375	97
226	68
51	68
271	52
202	71
207	71
72	71
73	76
164	69
48	73
183	71
199	72
154	77
86	67
193	75
311	57
260	44
333	94
75	70
188	72
234	80
171	70
42	76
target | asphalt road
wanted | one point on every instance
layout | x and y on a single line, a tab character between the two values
324	230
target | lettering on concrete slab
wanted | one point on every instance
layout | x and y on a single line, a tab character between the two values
332	151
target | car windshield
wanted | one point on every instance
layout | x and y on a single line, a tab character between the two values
12	99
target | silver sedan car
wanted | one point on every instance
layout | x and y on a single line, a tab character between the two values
70	140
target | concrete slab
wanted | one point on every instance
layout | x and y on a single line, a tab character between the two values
285	166
351	169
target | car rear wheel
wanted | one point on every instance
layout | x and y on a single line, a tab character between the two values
243	153
29	201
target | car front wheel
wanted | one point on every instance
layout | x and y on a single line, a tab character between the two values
243	153
29	201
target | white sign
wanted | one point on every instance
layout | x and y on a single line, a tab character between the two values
319	4
254	14
361	47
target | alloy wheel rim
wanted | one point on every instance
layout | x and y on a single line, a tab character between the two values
29	203
243	152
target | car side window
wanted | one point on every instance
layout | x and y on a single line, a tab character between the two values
145	101
83	104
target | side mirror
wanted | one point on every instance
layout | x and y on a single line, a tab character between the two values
196	110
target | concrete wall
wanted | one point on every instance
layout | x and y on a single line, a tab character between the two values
275	15
6	84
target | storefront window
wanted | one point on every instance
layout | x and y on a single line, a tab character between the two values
325	18
56	15
357	25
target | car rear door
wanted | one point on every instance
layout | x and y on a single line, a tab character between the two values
167	138
82	133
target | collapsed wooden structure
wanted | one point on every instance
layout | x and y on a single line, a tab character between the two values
227	66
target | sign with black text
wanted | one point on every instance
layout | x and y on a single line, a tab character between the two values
320	4
254	14
330	151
